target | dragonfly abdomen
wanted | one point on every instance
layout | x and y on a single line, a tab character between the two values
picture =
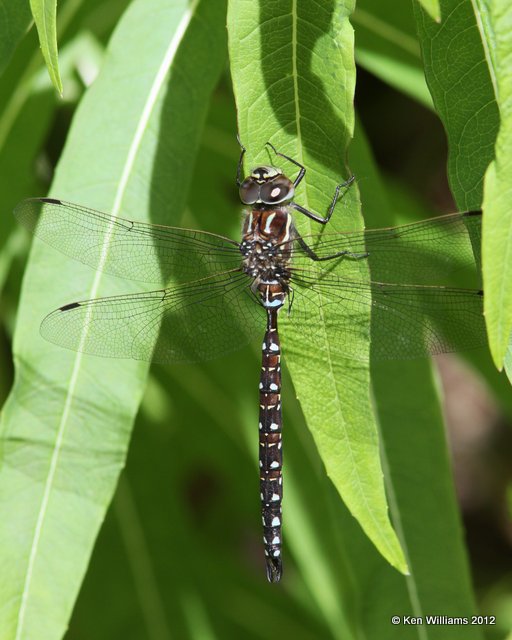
270	453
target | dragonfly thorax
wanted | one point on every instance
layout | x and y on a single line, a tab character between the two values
266	249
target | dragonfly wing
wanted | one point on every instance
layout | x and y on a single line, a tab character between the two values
407	321
135	250
435	251
187	323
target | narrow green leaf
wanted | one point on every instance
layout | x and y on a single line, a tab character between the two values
418	474
461	84
497	229
15	21
66	426
422	498
286	94
387	46
45	17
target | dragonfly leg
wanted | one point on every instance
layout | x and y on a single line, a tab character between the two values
239	177
325	219
302	171
291	296
338	254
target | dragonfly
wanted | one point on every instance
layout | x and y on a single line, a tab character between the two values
216	294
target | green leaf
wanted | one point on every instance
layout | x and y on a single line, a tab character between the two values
66	426
15	21
387	46
417	466
460	81
422	497
497	228
45	17
470	97
304	108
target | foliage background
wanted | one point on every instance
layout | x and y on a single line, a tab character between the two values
179	553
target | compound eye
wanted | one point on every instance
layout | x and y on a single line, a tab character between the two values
278	190
249	191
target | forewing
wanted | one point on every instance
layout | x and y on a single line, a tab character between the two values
135	250
438	251
187	323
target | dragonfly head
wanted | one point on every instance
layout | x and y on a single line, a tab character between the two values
266	185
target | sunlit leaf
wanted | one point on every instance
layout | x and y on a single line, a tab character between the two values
497	247
305	109
67	423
